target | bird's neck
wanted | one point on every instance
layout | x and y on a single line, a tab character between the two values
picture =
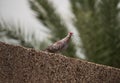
68	38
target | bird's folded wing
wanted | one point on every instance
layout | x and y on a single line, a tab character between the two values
56	46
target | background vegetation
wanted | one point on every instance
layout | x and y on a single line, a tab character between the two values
97	22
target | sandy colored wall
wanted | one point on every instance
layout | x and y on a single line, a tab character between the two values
22	65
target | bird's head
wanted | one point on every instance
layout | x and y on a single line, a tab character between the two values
70	33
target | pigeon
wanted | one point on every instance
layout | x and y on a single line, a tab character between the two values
60	45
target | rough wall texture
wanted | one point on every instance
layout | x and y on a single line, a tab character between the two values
22	65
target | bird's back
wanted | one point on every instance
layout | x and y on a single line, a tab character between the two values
57	46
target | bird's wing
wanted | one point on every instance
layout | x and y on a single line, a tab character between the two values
56	46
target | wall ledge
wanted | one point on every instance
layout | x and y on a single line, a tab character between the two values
24	65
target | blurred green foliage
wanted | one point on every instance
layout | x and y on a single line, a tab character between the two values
98	24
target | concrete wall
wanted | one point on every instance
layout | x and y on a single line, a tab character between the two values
22	65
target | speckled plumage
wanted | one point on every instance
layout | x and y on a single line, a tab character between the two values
60	45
